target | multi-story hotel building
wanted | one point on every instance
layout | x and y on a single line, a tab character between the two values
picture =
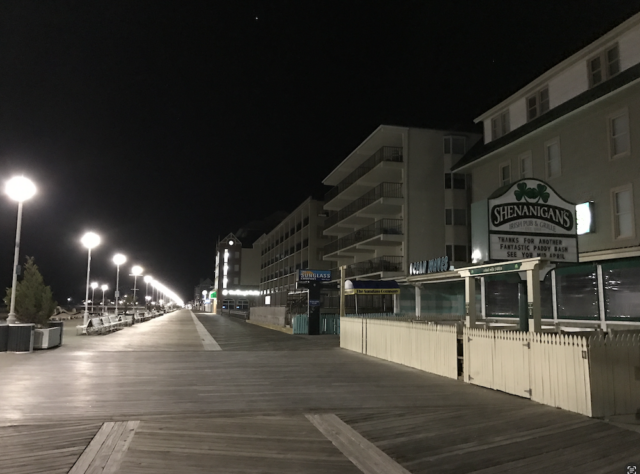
296	243
395	201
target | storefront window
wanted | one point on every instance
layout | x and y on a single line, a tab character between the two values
501	295
622	290
444	300
577	292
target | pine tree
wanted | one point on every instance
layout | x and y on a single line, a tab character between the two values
34	300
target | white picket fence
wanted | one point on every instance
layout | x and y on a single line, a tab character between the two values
615	374
428	347
548	368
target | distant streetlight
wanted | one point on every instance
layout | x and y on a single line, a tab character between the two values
18	189
103	288
94	285
90	240
118	259
147	279
136	271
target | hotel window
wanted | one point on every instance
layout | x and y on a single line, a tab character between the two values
455	181
449	252
623	221
236	268
619	134
235	280
459	217
552	158
537	104
604	66
460	253
500	125
526	166
455	145
448	217
505	174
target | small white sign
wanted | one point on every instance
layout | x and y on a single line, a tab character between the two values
517	247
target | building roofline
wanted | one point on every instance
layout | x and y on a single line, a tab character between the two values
625	79
582	54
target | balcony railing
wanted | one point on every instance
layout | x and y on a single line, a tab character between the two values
386	153
375	265
383	226
389	190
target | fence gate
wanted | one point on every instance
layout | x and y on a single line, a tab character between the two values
478	357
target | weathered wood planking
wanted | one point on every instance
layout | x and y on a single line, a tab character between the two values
48	448
107	449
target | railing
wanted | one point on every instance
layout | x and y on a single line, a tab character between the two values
386	153
388	190
383	226
378	264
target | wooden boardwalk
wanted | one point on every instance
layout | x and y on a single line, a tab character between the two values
247	408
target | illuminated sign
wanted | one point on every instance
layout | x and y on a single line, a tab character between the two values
241	292
584	215
531	220
435	265
313	275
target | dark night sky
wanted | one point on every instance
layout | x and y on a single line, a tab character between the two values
161	125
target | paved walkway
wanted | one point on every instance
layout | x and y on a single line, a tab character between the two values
159	398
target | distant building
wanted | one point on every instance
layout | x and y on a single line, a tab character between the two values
295	243
201	292
237	267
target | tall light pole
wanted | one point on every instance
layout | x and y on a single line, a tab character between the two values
19	189
94	285
90	240
136	271
103	288
118	259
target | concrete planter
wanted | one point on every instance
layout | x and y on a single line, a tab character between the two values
20	338
47	338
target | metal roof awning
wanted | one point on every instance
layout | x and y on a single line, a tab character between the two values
371	287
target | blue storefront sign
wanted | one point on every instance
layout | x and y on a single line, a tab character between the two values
313	275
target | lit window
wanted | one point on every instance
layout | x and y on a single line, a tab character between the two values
553	159
538	103
505	174
619	134
604	66
500	125
622	200
526	166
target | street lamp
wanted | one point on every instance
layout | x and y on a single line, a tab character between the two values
90	240
147	279
118	259
19	189
136	271
94	285
103	288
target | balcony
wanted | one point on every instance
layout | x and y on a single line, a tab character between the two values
369	267
379	228
386	153
383	190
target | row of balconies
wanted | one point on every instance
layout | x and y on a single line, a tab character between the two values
290	233
287	253
383	190
378	228
285	271
387	153
368	267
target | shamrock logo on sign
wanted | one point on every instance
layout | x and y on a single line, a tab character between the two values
531	194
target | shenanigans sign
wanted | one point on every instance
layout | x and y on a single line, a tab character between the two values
531	220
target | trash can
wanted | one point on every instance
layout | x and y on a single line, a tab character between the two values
58	324
4	337
21	337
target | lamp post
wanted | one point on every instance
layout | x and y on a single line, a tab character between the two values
118	259
19	189
94	285
90	240
103	288
136	271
